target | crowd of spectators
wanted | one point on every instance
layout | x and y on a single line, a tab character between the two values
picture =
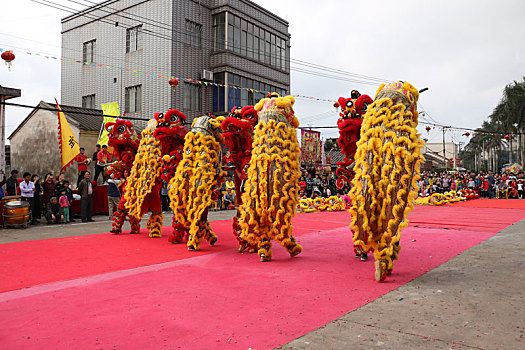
488	184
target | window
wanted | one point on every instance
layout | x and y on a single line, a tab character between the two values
218	93
219	31
89	51
88	102
134	99
192	97
193	34
133	39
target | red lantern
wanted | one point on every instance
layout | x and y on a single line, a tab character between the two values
507	137
336	105
8	56
428	128
467	134
173	83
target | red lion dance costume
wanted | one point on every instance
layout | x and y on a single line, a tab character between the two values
349	124
124	141
238	137
160	150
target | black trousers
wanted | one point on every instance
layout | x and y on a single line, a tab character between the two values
165	202
31	201
80	176
86	208
99	170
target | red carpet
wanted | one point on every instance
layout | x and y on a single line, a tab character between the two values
493	203
72	257
464	218
220	300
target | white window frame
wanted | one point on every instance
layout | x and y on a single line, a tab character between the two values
134	39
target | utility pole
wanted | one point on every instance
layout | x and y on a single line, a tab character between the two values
444	153
5	93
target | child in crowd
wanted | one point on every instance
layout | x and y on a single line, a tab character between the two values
64	204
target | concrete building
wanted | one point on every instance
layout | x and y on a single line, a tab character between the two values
234	42
34	143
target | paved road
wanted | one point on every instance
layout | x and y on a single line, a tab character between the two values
473	301
102	224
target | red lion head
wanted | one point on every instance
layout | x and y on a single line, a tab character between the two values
240	120
170	125
121	132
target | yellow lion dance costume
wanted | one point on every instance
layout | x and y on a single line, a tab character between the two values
271	191
386	172
198	175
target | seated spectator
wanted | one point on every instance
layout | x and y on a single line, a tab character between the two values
229	199
54	214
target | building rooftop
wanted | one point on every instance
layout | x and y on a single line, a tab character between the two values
84	118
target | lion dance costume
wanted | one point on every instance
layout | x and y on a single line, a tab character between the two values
238	137
199	174
124	141
271	190
349	125
158	154
386	172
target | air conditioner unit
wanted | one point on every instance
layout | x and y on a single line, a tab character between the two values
207	75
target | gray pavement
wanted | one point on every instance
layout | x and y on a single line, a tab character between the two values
473	301
102	224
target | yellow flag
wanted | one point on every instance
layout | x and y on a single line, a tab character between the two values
108	109
67	142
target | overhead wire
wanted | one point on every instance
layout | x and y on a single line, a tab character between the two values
172	30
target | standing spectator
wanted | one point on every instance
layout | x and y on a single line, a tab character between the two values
64	205
309	185
2	183
85	189
81	160
59	185
164	196
302	184
54	213
491	182
27	189
69	194
11	187
103	159
520	189
48	189
113	196
95	155
38	197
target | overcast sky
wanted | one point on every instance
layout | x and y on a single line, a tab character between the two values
465	52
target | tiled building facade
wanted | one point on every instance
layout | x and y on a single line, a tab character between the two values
241	43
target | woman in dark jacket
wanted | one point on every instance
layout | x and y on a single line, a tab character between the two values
38	200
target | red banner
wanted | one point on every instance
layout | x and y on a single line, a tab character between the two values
311	146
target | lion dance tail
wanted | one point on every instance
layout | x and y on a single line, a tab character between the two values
146	169
385	183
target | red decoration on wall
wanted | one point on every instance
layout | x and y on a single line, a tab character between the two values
173	83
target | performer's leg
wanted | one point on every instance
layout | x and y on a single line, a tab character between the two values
179	233
291	246
118	221
154	224
265	248
208	233
135	225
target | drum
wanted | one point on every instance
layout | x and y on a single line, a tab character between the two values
16	212
11	199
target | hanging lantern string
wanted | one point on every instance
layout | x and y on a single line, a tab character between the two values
175	80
